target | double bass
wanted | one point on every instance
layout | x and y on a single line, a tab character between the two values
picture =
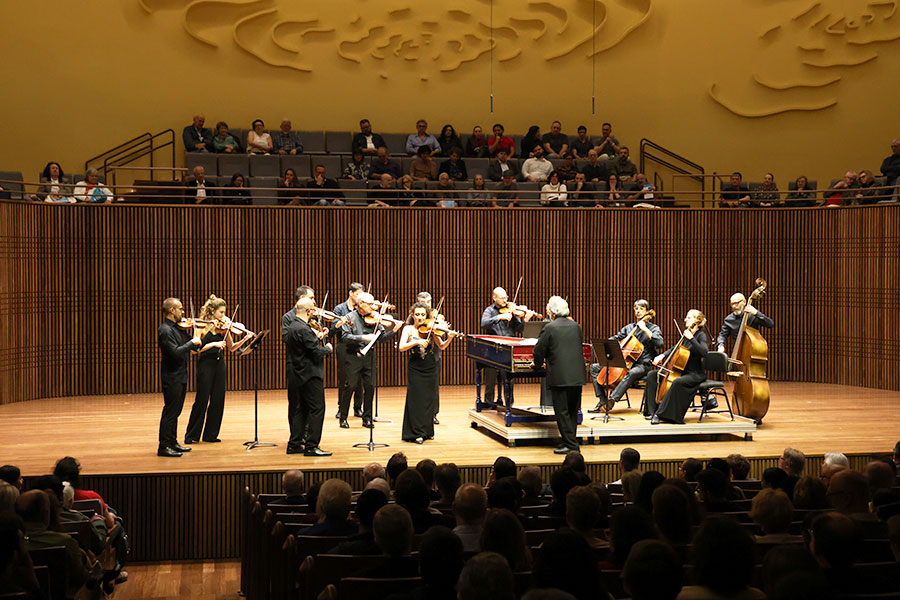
751	357
632	348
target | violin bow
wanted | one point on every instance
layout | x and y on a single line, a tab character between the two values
518	287
324	304
379	327
434	320
231	323
193	320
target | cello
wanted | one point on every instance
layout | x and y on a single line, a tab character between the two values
632	348
673	367
751	356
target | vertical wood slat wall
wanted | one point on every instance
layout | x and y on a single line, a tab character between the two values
81	286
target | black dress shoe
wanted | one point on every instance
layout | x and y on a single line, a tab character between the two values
357	412
710	404
291	449
189	441
316	452
563	450
345	424
215	441
178	448
435	420
654	420
368	423
171	452
596	409
610	404
338	414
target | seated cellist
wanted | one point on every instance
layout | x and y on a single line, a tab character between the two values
650	336
677	399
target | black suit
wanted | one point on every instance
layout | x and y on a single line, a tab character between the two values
306	374
560	344
190	192
175	347
192	136
495	173
359	142
360	369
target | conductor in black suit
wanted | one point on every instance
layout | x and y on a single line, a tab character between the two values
560	345
175	346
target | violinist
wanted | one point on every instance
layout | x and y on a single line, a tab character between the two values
306	374
647	334
209	401
423	374
499	319
175	345
342	310
678	398
425	298
732	323
356	335
288	319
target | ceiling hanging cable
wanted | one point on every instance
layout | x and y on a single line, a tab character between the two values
593	56
492	54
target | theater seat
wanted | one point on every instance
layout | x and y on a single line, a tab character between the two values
209	162
265	165
313	141
396	143
15	190
338	142
229	164
298	162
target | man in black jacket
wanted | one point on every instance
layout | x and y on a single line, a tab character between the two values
560	345
175	346
365	141
196	137
306	374
732	323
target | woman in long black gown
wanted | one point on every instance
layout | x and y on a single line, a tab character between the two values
421	375
680	394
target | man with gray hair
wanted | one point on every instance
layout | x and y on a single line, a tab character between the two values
287	141
890	166
560	345
496	321
373	471
837	459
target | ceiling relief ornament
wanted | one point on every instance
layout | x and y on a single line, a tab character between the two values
402	38
802	57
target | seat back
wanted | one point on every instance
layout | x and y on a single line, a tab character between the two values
262	165
313	141
80	530
89	507
229	164
396	143
338	142
209	162
364	588
298	162
14	190
331	568
54	558
716	362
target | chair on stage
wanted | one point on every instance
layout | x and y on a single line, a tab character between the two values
717	362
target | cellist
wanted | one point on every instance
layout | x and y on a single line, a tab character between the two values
732	323
674	405
647	334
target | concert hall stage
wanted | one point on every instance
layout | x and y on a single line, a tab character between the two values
176	507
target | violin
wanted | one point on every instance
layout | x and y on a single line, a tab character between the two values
632	348
226	325
438	328
377	318
192	323
519	310
378	305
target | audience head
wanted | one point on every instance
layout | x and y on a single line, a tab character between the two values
393	529
567	563
34	507
848	492
736	178
628	526
575	461
426	467
440	558
531	481
411	492
605	507
880	475
792	461
810	493
672	514
68	469
713	485
292	482
723	556
199	120
649	482
690	468
775	478
486	576
312	496
629	460
258	126
652	572
381	485
503	533
12	538
334	500
834	539
396	464
52	171
12	475
503	467
582	509
285	125
772	511
367	504
631	485
373	470
8	496
505	493
739	465
470	504
237	180
561	482
424	152
835	458
693	502
897	453
790	572
720	464
50	484
447	480
365	127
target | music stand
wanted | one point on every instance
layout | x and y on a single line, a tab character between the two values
371	444
248	348
611	357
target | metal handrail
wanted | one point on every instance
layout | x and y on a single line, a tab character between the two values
135	148
87	163
644	155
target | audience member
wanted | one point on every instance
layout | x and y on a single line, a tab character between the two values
581	193
649	482
767	195
828	471
792	462
422	139
199	190
631	483
324	191
531	139
196	137
567	563
803	195
605	498
740	466
582	512
641	190
410	493
553	193
477	144
486	576
652	571
810	493
499	167
224	142
12	475
595	171
365	141
258	139
734	492
503	467
575	460
532	486
385	194
69	469
723	557
507	194
835	541
393	531
396	465
555	143
567	169
55	186
791	573
629	460
562	480
478	195
735	194
882	480
363	543
607	145
506	493
426	468
61	496
423	167
537	168
501	141
90	189
448	140
290	190
621	166
236	192
867	193
835	458
447	481
696	511
502	532
890	166
292	488
772	512
381	485
357	168
613	195
454	166
409	195
17	574
714	490
333	508
672	514
582	144
8	496
628	526
469	507
842	192
848	492
897	457
440	563
382	164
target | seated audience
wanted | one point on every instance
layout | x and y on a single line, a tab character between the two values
553	193
532	486
848	492
631	483
223	142
582	512
411	493
292	488
714	490
629	460
690	468
803	195
397	465
477	144
258	139
595	170
835	541
740	466
567	563
69	469
333	509
55	186
672	514
793	462
652	572
735	194
393	530
531	139
363	543
324	191
582	144
506	493
501	141
385	194
357	169
734	492
410	195
454	166
581	193
575	460
236	192
537	168
722	556
445	193
8	496
91	190
772	512
628	526
381	485
448	140
423	167
791	573
810	493
649	482
17	574
498	167
507	194
767	196
867	193
621	166
61	496
486	576
882	481
835	458
422	139
286	141
382	164
561	481
566	169
478	195
447	481
890	166
290	190
640	190
426	468
367	142
842	192
196	137
555	143
198	189
503	533
469	507
613	196
440	563
608	145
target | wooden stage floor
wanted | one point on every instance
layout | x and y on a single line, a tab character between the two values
117	434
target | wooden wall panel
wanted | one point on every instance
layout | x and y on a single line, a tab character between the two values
81	285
